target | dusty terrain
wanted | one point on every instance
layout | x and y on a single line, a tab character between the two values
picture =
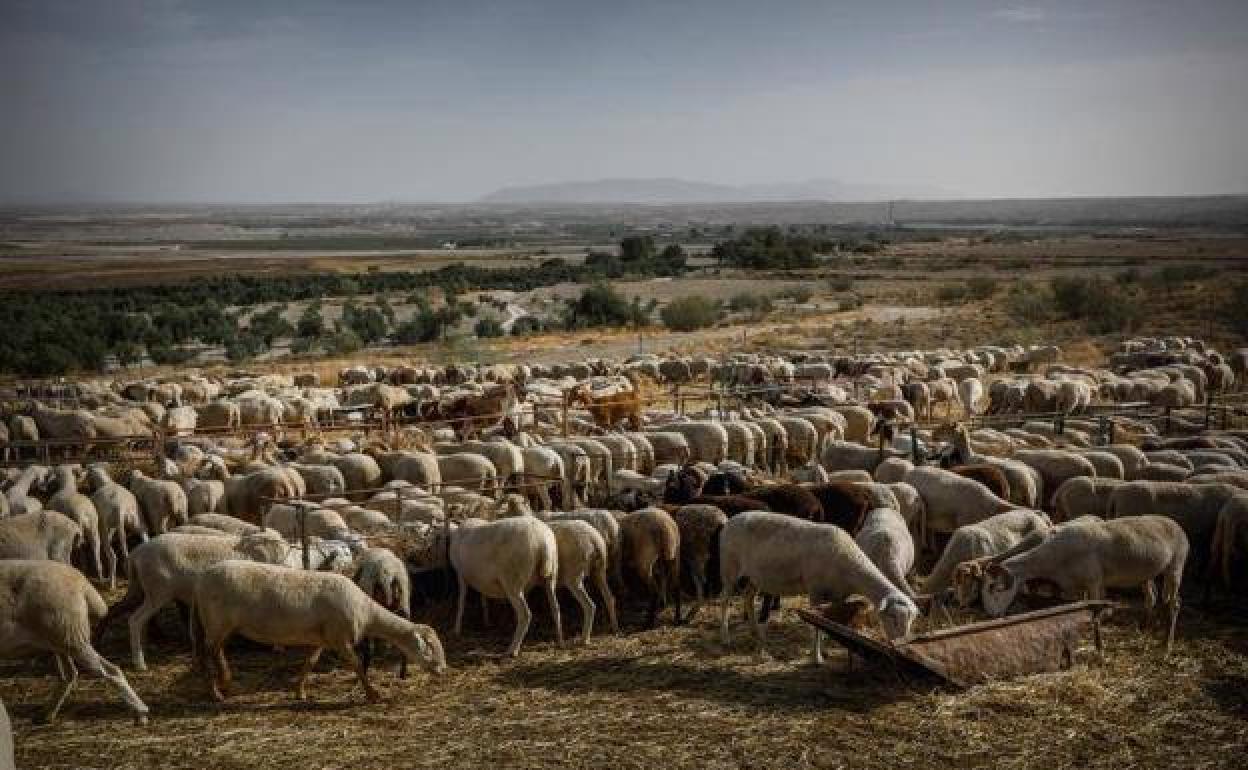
673	697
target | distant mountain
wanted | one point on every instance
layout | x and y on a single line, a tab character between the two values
668	190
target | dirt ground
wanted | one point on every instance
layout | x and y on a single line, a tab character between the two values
672	697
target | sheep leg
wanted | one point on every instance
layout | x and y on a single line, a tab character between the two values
301	687
138	624
671	578
1170	593
817	647
726	595
553	601
759	627
523	618
577	587
95	663
604	589
1150	605
110	561
68	674
361	672
221	677
459	605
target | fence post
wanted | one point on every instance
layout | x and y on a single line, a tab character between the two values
303	536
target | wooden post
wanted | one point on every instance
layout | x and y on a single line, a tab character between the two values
303	535
567	399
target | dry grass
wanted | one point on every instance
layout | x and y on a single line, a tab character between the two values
666	698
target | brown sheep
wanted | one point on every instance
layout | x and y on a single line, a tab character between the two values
699	546
989	475
844	504
651	541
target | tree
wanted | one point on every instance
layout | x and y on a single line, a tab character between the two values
600	305
488	327
637	248
311	324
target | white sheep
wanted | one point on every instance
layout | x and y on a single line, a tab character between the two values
319	522
225	523
117	510
80	508
49	607
162	570
43	535
885	539
1084	496
583	553
163	503
1085	557
294	608
990	537
784	556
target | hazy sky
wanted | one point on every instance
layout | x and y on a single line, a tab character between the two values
285	100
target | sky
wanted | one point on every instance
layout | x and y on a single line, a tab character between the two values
424	100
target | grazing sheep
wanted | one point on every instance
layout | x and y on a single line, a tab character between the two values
582	553
699	527
294	608
319	522
225	523
1085	557
384	577
49	607
842	503
784	556
118	515
708	441
18	494
1055	466
163	569
606	525
651	547
44	535
1107	464
163	503
989	537
78	507
885	539
1084	496
951	501
670	446
992	477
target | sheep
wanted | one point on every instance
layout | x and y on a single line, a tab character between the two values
118	516
671	446
163	503
321	479
225	523
1084	496
1159	471
317	522
162	570
1107	464
699	527
294	608
885	539
842	503
44	535
470	471
1194	506
366	520
1085	557
503	559
18	494
606	525
992	477
78	507
1055	466
49	607
951	501
1132	458
989	537
784	556
651	547
384	577
544	470
583	552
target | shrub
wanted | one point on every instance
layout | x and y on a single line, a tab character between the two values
981	286
799	294
488	327
748	302
343	342
525	326
951	292
1028	303
690	312
840	283
601	305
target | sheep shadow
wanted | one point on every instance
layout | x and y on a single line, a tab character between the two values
795	690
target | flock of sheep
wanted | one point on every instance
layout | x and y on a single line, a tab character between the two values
813	492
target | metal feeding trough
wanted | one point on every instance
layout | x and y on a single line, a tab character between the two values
1030	643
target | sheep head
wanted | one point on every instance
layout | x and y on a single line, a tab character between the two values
268	547
897	614
968	578
998	590
422	646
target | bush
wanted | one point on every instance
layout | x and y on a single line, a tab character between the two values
342	343
851	302
799	294
488	327
601	305
1028	303
526	325
755	304
690	312
981	286
840	283
951	292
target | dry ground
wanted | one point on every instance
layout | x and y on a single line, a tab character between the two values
666	698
